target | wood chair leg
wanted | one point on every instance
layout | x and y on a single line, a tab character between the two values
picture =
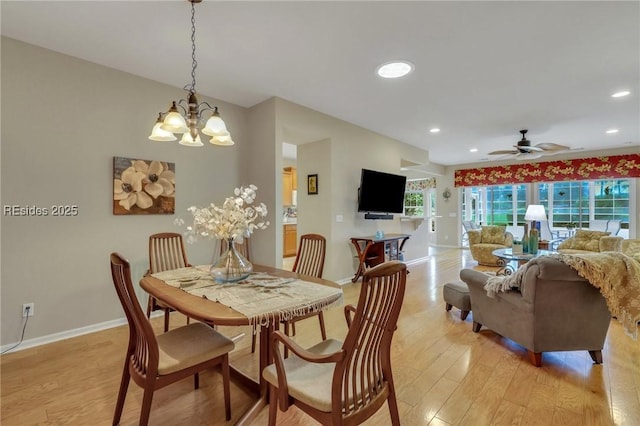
146	406
476	327
122	393
273	405
535	358
253	343
393	403
463	315
596	356
150	306
323	330
226	387
293	328
166	319
196	381
286	331
448	306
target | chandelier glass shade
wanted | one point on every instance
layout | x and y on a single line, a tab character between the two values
187	116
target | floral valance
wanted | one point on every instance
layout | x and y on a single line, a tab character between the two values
420	184
618	166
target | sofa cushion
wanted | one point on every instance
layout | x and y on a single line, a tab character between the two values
493	234
585	240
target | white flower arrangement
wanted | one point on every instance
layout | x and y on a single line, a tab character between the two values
235	219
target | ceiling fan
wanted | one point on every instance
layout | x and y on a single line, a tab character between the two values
524	151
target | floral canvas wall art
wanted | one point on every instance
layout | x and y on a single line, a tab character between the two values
143	186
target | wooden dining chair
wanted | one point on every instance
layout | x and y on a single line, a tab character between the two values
344	383
154	362
309	261
166	252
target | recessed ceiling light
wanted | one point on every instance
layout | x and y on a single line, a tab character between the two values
434	130
395	69
473	150
621	94
612	131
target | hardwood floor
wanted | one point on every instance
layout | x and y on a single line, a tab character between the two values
444	373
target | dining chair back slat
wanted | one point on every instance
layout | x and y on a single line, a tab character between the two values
309	261
310	256
166	252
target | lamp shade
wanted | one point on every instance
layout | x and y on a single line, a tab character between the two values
224	140
157	134
174	123
187	140
215	126
535	212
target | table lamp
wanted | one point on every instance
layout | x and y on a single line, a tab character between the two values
535	213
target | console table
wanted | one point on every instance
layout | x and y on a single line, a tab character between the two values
372	251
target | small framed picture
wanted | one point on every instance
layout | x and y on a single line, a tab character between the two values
312	184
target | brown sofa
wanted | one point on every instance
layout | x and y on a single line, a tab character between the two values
483	241
587	241
554	310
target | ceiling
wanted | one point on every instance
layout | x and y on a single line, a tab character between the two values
483	70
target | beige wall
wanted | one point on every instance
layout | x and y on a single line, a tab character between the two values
337	151
63	121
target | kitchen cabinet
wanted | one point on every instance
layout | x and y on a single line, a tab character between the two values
290	236
294	178
289	184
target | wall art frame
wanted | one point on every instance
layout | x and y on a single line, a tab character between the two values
143	187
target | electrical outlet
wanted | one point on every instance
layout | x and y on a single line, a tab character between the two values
27	309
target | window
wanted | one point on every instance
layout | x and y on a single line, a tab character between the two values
414	196
495	205
579	202
568	204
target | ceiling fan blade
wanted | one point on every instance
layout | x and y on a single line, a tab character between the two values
524	149
552	147
503	152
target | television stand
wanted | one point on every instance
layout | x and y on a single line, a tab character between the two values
373	251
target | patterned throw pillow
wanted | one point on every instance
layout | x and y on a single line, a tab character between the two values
632	248
493	234
587	240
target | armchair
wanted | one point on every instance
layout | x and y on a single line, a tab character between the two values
482	243
555	309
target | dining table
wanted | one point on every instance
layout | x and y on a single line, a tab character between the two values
267	297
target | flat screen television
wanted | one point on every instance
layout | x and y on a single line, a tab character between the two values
381	193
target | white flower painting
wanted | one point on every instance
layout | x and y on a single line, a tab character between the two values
143	186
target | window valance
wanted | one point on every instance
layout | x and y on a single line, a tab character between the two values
618	166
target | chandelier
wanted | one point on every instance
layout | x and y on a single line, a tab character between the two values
187	115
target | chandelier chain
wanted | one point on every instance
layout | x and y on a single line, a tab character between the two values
194	63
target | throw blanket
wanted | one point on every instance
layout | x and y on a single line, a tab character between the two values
615	274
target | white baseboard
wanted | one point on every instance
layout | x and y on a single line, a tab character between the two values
55	337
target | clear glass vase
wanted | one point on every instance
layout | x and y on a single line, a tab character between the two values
231	266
